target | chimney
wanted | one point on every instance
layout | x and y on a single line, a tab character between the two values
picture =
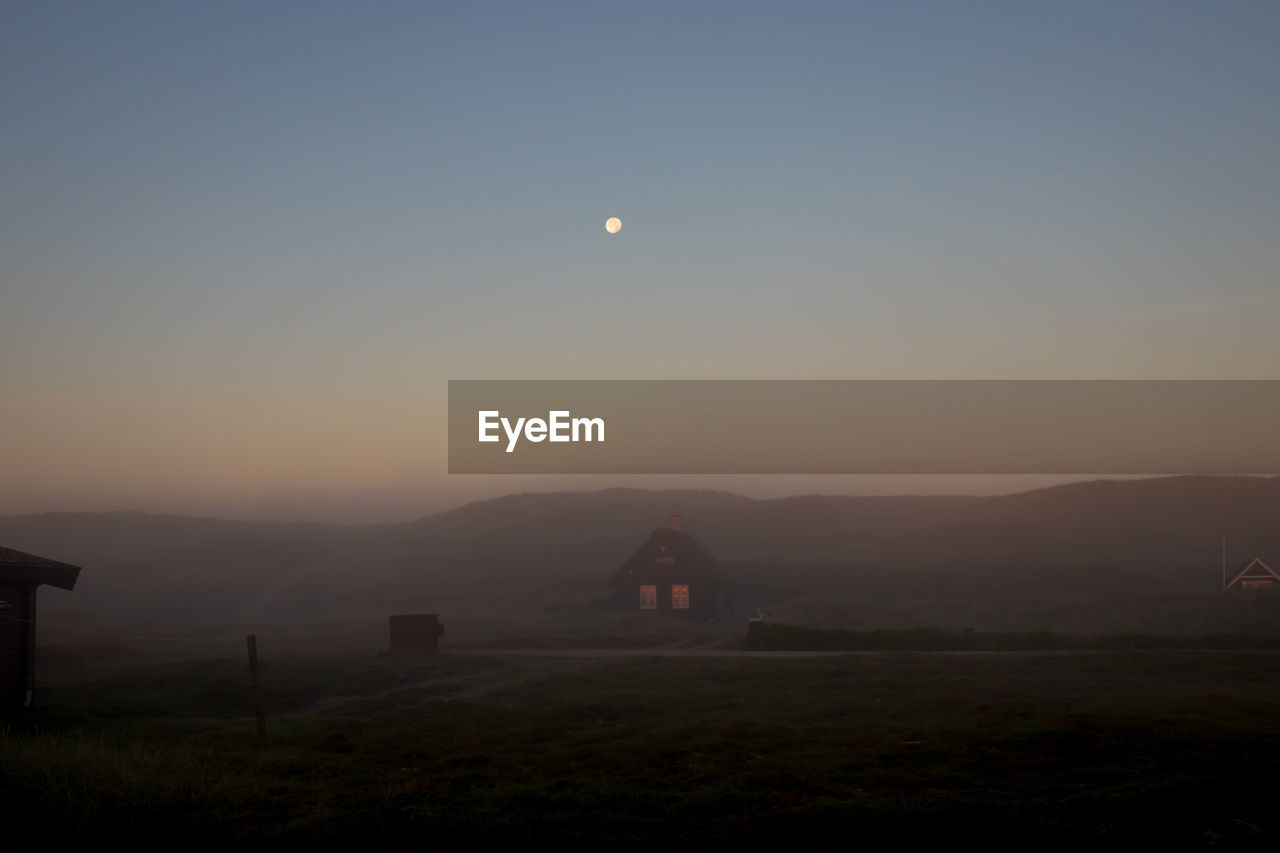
675	522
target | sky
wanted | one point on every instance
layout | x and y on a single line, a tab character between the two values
244	246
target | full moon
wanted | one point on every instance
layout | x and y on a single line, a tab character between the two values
613	225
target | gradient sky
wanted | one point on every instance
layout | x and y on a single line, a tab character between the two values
243	246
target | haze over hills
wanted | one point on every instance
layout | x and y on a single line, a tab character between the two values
829	559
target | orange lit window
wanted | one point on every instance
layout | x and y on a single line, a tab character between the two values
648	598
680	597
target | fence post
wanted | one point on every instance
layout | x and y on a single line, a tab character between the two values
252	640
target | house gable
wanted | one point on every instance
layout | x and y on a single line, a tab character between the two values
1255	574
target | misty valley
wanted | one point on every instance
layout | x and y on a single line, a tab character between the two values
1051	669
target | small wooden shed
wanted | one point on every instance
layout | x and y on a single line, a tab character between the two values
20	574
415	633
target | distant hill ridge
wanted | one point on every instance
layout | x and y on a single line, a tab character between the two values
1159	535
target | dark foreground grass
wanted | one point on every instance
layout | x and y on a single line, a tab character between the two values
1141	750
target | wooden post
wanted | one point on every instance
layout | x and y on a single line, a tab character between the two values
252	640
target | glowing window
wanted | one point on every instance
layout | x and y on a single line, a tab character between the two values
648	598
680	597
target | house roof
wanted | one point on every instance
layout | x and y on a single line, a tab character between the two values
1254	569
20	567
663	545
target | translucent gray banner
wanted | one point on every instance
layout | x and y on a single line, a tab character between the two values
864	427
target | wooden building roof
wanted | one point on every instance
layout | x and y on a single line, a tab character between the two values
22	568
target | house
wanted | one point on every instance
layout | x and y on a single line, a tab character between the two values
672	574
20	574
1252	574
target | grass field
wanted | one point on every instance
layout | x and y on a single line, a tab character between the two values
777	637
694	750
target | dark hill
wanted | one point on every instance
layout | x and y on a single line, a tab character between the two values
520	552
